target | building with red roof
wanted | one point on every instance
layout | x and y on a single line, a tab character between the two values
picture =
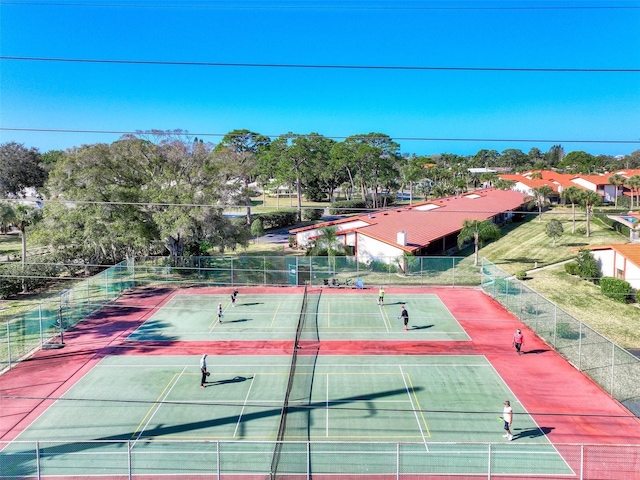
427	228
620	261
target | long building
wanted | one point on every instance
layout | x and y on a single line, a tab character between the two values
427	228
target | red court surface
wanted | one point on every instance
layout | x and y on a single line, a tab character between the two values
567	405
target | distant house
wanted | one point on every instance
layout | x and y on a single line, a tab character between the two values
428	228
620	261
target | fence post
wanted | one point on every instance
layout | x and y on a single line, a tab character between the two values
555	325
613	364
581	461
453	265
218	458
490	452
397	461
129	463
38	473
9	343
580	347
40	320
308	460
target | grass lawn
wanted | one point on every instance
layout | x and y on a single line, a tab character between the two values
523	244
10	246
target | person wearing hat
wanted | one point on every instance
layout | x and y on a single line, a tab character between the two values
203	369
507	416
518	341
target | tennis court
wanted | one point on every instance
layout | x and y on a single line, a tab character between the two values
409	399
347	314
358	394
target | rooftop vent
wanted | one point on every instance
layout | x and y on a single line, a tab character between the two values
401	238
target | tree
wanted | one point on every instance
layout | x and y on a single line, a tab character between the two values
554	229
20	168
554	156
6	216
257	230
478	231
589	198
633	183
539	199
616	180
25	216
572	195
138	196
370	160
238	152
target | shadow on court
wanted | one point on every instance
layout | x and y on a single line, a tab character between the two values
230	380
247	304
24	457
421	327
533	432
536	351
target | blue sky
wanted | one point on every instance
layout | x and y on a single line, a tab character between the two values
337	102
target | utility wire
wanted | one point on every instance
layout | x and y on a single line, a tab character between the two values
336	137
303	6
320	66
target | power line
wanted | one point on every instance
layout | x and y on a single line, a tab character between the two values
319	66
336	137
302	6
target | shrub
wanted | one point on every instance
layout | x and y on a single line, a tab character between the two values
571	268
564	330
588	268
281	219
347	206
615	288
312	214
521	275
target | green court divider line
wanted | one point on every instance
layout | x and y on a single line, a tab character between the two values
156	405
275	314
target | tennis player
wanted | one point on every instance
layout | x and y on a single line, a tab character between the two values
220	312
404	315
233	298
381	296
203	369
518	341
507	416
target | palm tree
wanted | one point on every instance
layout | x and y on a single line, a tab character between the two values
327	241
478	231
616	180
589	198
572	195
634	184
539	198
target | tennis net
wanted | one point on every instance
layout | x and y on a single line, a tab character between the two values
294	419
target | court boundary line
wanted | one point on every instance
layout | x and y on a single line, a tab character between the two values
415	413
170	385
530	416
244	405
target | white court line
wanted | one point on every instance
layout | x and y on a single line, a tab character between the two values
424	440
246	398
158	407
384	318
525	410
327	409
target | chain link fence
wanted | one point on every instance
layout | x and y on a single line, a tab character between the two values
184	459
45	324
610	366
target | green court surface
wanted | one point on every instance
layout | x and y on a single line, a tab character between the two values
427	401
275	317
